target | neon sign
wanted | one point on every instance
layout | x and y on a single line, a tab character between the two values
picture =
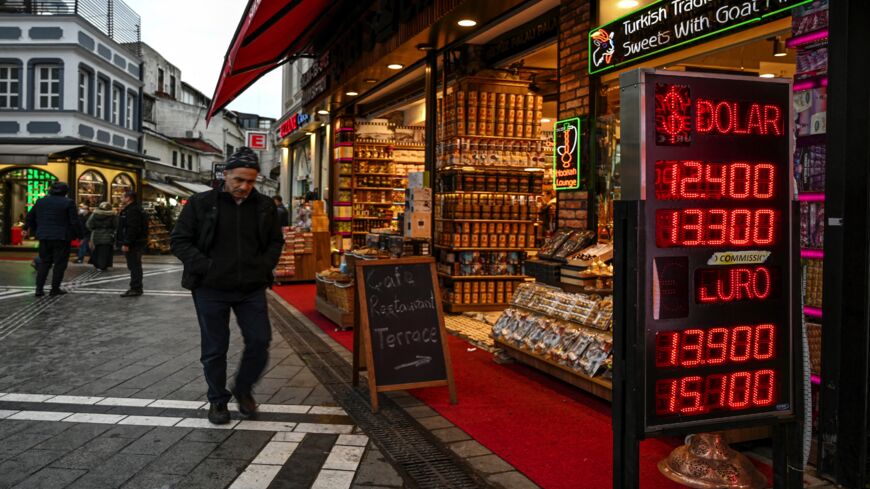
566	155
714	166
293	123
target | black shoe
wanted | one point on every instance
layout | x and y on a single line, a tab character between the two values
57	292
247	404
132	293
39	293
218	413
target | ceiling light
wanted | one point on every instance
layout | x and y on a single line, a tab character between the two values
779	47
627	4
323	112
309	134
767	75
351	93
371	80
471	23
395	66
545	120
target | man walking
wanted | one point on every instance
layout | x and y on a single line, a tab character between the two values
84	244
283	213
133	237
229	240
54	221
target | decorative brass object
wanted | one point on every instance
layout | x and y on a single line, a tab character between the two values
707	462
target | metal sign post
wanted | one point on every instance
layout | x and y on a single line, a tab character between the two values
707	322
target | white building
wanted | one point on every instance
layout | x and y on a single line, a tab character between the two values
70	92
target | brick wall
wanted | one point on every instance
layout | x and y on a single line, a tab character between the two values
575	20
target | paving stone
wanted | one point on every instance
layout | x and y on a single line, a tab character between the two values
113	472
50	477
10	427
511	480
213	472
302	468
127	431
421	411
22	441
489	464
49	428
242	445
470	448
449	435
435	422
156	441
284	372
182	457
92	454
153	480
21	466
209	436
375	470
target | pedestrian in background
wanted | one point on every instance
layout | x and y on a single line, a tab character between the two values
102	224
229	240
84	244
54	221
133	237
283	213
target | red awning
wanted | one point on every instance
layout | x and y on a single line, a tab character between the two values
269	32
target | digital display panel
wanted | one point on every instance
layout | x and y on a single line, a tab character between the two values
718	248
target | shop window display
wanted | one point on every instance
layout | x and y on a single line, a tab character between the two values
20	188
91	189
120	184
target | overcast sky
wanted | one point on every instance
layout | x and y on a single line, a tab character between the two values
194	36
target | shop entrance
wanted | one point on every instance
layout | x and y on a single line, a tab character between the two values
20	188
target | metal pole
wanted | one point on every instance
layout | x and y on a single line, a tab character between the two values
431	125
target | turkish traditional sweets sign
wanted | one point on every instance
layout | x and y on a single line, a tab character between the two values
566	154
402	325
667	24
718	249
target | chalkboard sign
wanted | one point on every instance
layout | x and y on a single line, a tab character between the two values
402	326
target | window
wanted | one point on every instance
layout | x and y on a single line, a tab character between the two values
172	86
159	79
190	162
230	149
174	158
47	87
116	105
10	86
102	90
131	110
85	83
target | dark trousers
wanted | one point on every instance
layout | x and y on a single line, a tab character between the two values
83	248
213	312
134	264
52	254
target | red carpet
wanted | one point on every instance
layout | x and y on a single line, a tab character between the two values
554	433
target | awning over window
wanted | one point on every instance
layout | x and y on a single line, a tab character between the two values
269	32
191	186
169	189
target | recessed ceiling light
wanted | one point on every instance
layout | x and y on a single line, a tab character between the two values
371	80
767	75
545	120
351	93
395	66
468	22
627	3
323	112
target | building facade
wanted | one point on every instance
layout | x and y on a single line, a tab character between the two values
70	96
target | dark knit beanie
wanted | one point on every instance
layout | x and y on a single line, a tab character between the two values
244	157
58	188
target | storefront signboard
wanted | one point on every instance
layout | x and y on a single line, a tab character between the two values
668	24
257	140
566	154
293	123
402	326
709	159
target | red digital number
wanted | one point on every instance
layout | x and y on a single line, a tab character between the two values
734	284
715	227
695	394
696	347
697	180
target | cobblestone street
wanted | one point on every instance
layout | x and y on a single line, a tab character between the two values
97	391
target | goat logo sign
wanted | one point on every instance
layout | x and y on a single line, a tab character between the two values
604	48
566	155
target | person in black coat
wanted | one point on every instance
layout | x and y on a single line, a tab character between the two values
283	213
133	238
230	240
54	221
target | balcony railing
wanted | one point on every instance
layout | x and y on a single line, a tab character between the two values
112	17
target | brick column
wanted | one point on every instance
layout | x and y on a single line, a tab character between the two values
575	19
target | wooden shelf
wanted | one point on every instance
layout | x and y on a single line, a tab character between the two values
467	248
377	203
393	175
471	192
524	221
482	277
602	388
357	158
451	307
342	319
372	218
375	188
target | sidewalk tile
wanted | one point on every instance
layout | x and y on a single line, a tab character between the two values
95	418
182	458
344	458
206	424
5	414
337	411
50	477
26	397
256	477
284	408
74	400
333	479
353	440
288	436
177	404
275	453
337	429
149	421
265	426
125	401
40	415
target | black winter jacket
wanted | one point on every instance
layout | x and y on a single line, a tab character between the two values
192	239
102	225
54	217
132	226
